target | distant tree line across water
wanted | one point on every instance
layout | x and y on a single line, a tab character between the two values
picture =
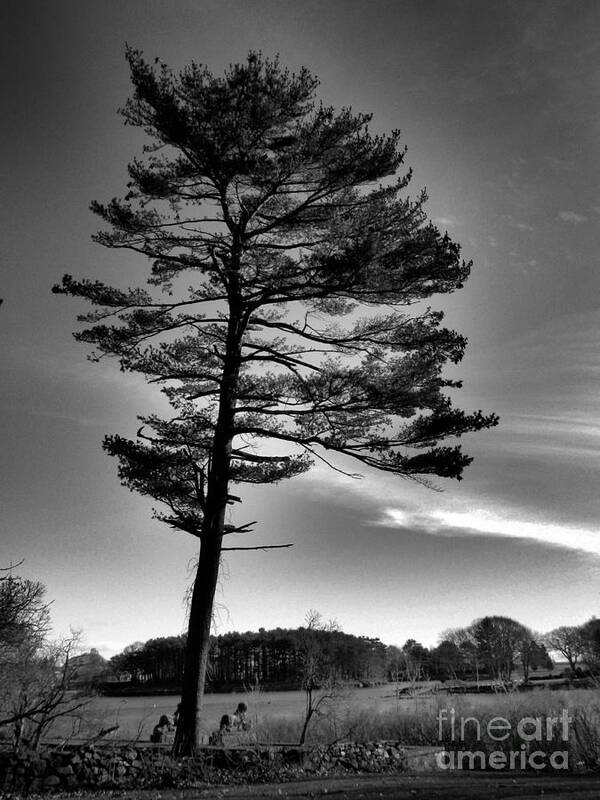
271	659
491	648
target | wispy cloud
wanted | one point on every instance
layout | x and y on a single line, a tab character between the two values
572	217
478	521
565	437
548	365
446	222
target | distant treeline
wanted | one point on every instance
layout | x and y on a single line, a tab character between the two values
491	648
273	659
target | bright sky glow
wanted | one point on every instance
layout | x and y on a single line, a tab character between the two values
443	522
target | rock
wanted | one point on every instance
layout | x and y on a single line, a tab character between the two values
35	785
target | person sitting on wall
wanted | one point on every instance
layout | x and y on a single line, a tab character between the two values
161	731
216	738
240	721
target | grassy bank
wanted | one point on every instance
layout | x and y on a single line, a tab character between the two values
542	721
376	713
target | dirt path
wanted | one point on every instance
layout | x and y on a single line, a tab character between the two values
456	786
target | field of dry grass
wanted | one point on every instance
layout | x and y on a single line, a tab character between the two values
379	713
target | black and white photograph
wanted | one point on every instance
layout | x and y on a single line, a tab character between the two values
300	407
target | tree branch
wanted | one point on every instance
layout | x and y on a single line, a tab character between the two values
259	547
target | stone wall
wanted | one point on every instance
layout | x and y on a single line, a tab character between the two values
136	766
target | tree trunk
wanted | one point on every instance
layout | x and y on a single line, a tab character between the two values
188	735
307	717
198	643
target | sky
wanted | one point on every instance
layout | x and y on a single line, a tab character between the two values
498	103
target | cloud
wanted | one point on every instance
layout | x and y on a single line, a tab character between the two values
524	266
523	227
478	521
554	366
570	427
572	216
447	222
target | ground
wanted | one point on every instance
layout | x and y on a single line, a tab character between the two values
457	786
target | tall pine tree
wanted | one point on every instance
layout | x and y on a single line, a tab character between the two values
287	257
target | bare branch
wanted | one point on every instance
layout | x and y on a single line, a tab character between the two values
264	547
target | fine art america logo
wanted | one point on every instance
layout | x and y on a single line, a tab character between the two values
530	732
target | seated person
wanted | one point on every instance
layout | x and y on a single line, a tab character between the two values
216	738
226	723
240	721
161	731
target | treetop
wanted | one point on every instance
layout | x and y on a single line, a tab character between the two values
289	257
